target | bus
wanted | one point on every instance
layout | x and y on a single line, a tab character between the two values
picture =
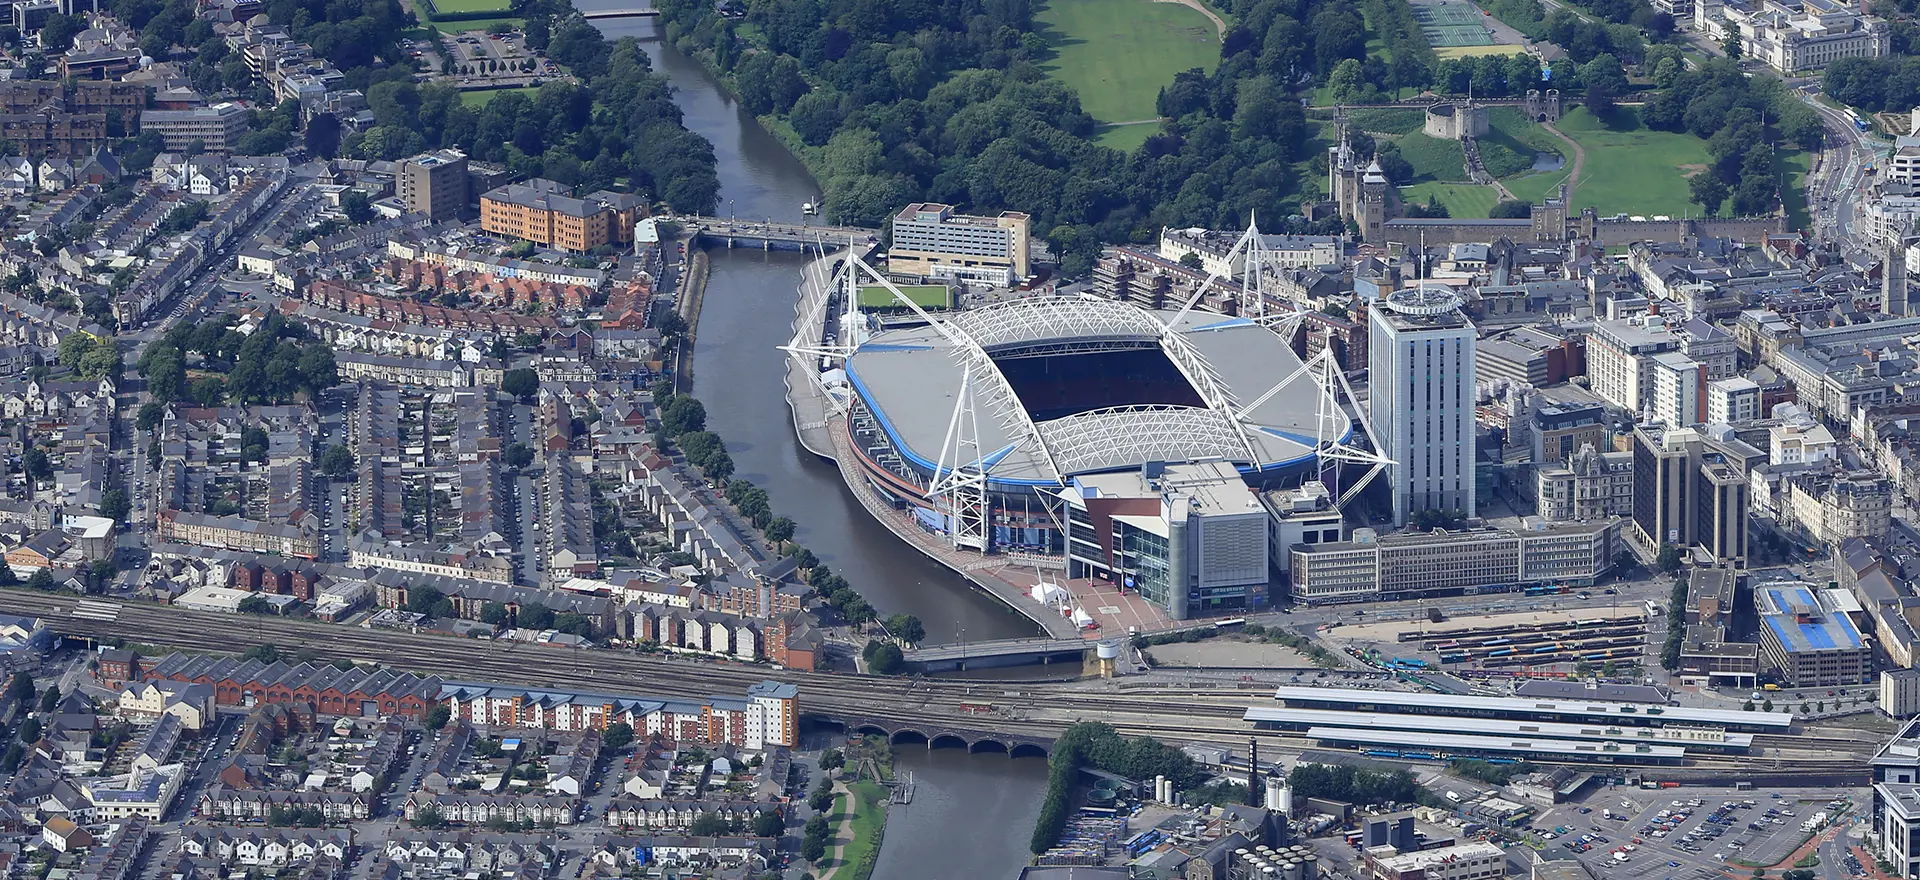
1652	609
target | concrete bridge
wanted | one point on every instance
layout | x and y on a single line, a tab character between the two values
1002	652
776	236
941	736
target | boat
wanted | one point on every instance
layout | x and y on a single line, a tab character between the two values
807	208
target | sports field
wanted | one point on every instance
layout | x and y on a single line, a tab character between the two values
470	6
476	24
1461	199
926	296
1451	24
1117	54
1630	169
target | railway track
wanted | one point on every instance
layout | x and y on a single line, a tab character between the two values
1167	713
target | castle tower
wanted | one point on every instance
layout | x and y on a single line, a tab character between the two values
1372	213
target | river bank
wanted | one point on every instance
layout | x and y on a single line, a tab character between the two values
746	314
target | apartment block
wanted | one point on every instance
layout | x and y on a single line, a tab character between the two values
543	212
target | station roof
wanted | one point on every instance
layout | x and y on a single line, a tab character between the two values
1489	726
1572	709
1515	745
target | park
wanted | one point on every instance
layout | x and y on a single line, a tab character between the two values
1118	55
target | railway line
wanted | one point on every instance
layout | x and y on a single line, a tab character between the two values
1032	710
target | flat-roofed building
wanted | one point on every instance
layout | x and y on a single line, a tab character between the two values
1408	565
1900	692
1468	861
1191	538
218	128
932	241
434	184
1808	639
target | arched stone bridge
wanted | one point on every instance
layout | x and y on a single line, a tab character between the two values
941	736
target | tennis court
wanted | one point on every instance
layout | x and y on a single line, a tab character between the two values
1452	24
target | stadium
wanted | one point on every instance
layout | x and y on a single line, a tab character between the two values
1059	387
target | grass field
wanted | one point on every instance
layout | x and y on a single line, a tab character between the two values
1794	166
1461	199
869	823
476	24
1433	158
1387	121
1631	169
926	296
1125	138
471	5
1117	54
480	98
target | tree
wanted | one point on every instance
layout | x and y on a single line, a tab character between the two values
114	505
769	823
50	698
709	824
1191	260
883	658
357	206
1511	209
907	628
519	455
534	615
1707	190
265	653
337	463
813	849
618	735
438	716
683	415
38	467
521	383
832	759
255	604
7	577
495	614
1731	46
1669	558
780	530
41	580
421	600
150	415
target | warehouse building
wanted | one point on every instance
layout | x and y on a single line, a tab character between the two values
1808	639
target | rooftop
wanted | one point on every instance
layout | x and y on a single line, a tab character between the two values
1803	621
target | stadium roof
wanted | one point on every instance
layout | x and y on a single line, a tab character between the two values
1444	742
1313	718
1444	704
910	379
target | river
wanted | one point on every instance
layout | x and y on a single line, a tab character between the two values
737	373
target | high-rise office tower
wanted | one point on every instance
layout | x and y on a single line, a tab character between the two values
1420	378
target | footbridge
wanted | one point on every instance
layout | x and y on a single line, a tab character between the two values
940	736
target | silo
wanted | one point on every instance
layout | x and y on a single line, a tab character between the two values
1108	652
1310	868
1160	789
1286	800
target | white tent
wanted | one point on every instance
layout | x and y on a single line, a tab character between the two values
1050	593
1081	618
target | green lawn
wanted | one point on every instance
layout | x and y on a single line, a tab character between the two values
1125	138
926	296
476	24
1531	188
470	6
1794	166
480	98
1387	121
1461	199
869	822
1433	158
1117	54
1631	169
